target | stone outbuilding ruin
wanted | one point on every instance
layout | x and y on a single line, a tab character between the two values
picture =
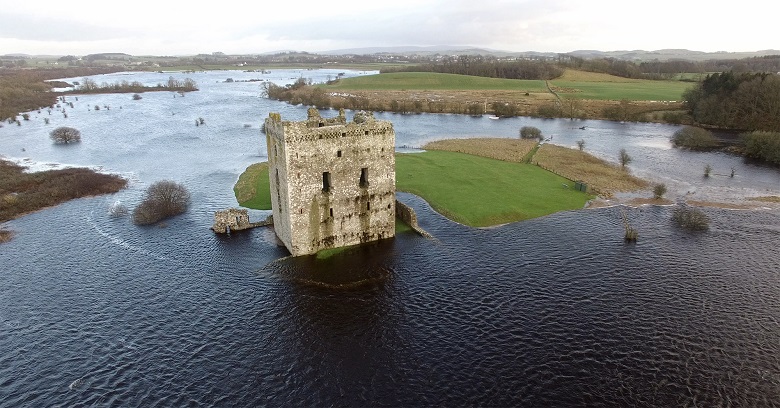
332	182
232	219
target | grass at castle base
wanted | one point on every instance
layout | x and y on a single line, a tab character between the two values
253	188
480	192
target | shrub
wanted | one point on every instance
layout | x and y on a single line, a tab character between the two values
707	170
137	97
64	134
694	138
690	218
625	159
659	190
763	146
530	132
163	199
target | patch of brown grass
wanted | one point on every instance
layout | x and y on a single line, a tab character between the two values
766	199
5	236
602	177
717	204
653	201
22	193
511	150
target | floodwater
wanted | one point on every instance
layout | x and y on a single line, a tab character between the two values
555	311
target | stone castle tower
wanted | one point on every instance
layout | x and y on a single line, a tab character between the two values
332	182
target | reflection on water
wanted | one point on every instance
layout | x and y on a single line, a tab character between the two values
555	311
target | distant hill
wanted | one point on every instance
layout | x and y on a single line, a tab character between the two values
670	54
631	55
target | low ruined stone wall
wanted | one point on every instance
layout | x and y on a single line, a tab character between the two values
407	215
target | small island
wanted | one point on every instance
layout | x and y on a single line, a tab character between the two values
483	182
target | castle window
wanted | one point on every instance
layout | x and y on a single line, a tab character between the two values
366	133
338	153
331	212
364	177
326	181
343	134
368	205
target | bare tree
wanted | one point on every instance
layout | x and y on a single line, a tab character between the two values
64	134
625	159
581	144
163	199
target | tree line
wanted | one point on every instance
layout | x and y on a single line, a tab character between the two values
743	101
477	65
88	85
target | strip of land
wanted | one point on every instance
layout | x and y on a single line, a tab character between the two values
576	94
22	193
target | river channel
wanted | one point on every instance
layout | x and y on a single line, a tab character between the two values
554	311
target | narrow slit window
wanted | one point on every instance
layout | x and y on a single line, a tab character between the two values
364	177
331	213
338	153
326	181
368	205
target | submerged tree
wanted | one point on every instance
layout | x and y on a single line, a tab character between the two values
694	138
530	132
163	199
64	134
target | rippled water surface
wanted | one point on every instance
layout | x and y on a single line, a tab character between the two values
554	311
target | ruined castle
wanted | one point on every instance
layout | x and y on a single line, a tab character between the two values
332	182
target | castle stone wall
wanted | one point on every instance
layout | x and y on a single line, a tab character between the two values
332	182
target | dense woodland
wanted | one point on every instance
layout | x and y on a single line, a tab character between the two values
743	101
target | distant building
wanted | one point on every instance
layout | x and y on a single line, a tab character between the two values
332	182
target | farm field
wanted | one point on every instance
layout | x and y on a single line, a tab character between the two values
434	81
589	85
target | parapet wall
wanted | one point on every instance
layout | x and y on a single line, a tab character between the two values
407	215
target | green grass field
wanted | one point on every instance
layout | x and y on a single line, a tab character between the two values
399	81
633	91
480	192
589	85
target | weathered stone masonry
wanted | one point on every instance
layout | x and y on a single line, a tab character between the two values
332	182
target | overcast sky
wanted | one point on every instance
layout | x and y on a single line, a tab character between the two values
164	27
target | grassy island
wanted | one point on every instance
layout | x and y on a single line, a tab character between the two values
485	181
480	191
